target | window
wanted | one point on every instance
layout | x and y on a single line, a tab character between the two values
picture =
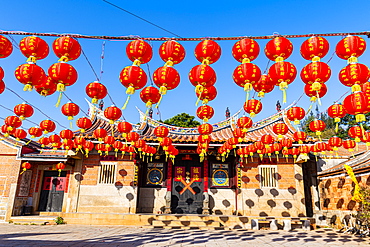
267	175
107	173
220	175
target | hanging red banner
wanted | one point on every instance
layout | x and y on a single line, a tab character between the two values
195	174
179	173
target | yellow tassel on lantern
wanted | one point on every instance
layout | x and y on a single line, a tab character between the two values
64	59
246	60
261	94
24	169
169	63
27	87
315	59
94	100
31	59
279	59
283	87
352	60
205	61
356	88
360	118
247	88
136	63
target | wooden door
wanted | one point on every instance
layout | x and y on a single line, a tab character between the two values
187	190
52	193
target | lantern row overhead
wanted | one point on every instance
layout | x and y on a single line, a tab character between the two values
203	77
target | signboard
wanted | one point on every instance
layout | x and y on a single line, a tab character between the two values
24	186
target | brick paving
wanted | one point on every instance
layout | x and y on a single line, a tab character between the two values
75	235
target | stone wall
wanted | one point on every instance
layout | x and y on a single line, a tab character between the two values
152	200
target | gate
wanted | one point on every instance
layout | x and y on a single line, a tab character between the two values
52	193
187	192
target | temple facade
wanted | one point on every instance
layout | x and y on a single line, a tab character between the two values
116	183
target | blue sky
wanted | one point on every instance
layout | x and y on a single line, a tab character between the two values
186	19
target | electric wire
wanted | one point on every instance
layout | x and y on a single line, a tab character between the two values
151	23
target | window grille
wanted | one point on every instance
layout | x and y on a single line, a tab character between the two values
107	173
267	176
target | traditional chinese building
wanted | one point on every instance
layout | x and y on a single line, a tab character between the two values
119	184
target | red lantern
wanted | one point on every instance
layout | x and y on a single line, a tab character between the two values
79	142
133	78
161	132
166	78
44	141
6	47
244	123
96	91
2	86
132	137
124	128
202	75
253	107
276	147
25	166
60	166
64	74
139	52
282	74
70	110
23	111
317	126
20	134
35	132
83	123
166	142
100	134
280	129
366	87
245	50
263	85
356	132
66	48
315	93
295	114
315	72
88	146
205	129
207	52
47	87
13	122
34	48
1	73
66	134
205	112
299	136
150	96
349	144
117	145
29	74
246	74
233	141
350	48
287	143
336	111
171	52
68	144
208	94
357	104
267	139
314	48
112	113
239	133
278	49
54	140
109	140
335	142
354	75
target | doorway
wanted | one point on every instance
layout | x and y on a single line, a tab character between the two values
187	192
52	191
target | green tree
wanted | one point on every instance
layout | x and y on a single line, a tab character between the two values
182	120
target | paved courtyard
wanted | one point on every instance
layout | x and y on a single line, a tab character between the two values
74	235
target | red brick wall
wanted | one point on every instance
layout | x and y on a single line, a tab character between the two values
9	168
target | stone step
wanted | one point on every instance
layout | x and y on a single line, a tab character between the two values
186	223
189	227
33	219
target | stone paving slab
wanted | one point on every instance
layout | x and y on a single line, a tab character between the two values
75	235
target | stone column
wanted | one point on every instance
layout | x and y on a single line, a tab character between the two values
205	188
168	195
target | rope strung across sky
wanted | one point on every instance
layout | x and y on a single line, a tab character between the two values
131	37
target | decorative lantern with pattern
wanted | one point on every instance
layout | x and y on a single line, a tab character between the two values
315	93
315	72
356	132
34	48
349	144
205	112
6	47
166	78
95	90
70	110
132	137
100	134
171	52
278	49
124	128
112	113
65	75
60	166
282	74
207	52
13	122
30	75
300	136
139	52
244	123
23	111
245	75
357	104
66	134
207	94
350	48
88	146
47	87
280	129
263	85
354	75
295	114
253	107
335	142
161	132
150	96
20	134
66	48
35	132
267	139
133	78
25	166
2	86
314	48
245	50
317	126
205	129
44	141
83	123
